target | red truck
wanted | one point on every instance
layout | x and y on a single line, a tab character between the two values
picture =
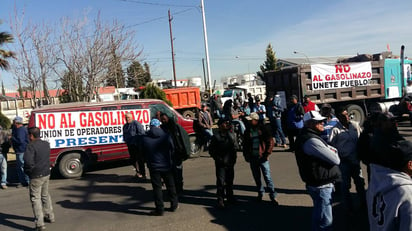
84	133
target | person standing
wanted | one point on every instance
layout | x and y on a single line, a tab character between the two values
330	122
258	145
276	122
37	167
158	147
132	132
318	168
181	144
294	121
205	122
260	109
308	105
223	151
344	137
389	195
20	139
4	148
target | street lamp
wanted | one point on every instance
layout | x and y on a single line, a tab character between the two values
301	53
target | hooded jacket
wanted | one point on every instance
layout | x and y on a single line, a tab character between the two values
158	148
389	199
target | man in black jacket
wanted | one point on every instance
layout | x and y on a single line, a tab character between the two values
318	167
37	167
158	147
223	148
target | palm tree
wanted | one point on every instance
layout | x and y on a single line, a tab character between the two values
4	54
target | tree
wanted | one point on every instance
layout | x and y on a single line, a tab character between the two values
5	37
73	88
138	75
152	91
3	90
115	76
270	64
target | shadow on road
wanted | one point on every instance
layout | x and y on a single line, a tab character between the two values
7	220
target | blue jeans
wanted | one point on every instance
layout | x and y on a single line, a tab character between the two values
322	207
259	167
23	178
41	200
277	131
3	169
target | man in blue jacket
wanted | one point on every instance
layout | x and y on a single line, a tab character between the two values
20	139
158	147
132	131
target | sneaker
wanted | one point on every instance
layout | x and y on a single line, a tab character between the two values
38	228
275	203
48	219
173	208
156	213
3	186
285	146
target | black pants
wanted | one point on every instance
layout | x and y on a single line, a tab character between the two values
137	156
178	177
156	179
224	181
292	134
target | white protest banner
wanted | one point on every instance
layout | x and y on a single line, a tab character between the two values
335	76
85	128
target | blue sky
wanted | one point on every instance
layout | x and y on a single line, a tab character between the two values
238	31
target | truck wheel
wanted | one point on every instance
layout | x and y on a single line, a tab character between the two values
71	165
356	113
188	114
195	147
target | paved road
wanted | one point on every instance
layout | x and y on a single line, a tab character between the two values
110	199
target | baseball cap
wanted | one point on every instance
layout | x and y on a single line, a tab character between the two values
18	119
253	116
222	121
155	122
326	105
313	115
293	97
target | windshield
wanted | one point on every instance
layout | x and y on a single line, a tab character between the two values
228	93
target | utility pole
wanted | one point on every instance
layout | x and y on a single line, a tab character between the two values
171	43
204	74
202	6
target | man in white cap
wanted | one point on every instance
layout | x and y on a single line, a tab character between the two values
19	140
258	145
318	167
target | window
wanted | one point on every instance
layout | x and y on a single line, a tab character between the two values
162	108
109	108
125	107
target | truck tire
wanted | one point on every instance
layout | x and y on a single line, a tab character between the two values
356	113
71	165
188	114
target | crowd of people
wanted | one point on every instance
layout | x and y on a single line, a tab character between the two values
328	146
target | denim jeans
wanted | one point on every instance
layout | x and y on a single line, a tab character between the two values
3	169
277	131
156	178
41	200
23	178
322	207
352	170
259	168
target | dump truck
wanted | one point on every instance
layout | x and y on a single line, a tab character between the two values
363	84
185	100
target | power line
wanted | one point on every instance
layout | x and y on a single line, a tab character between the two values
157	4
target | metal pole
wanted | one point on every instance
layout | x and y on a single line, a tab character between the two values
206	46
204	74
173	53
